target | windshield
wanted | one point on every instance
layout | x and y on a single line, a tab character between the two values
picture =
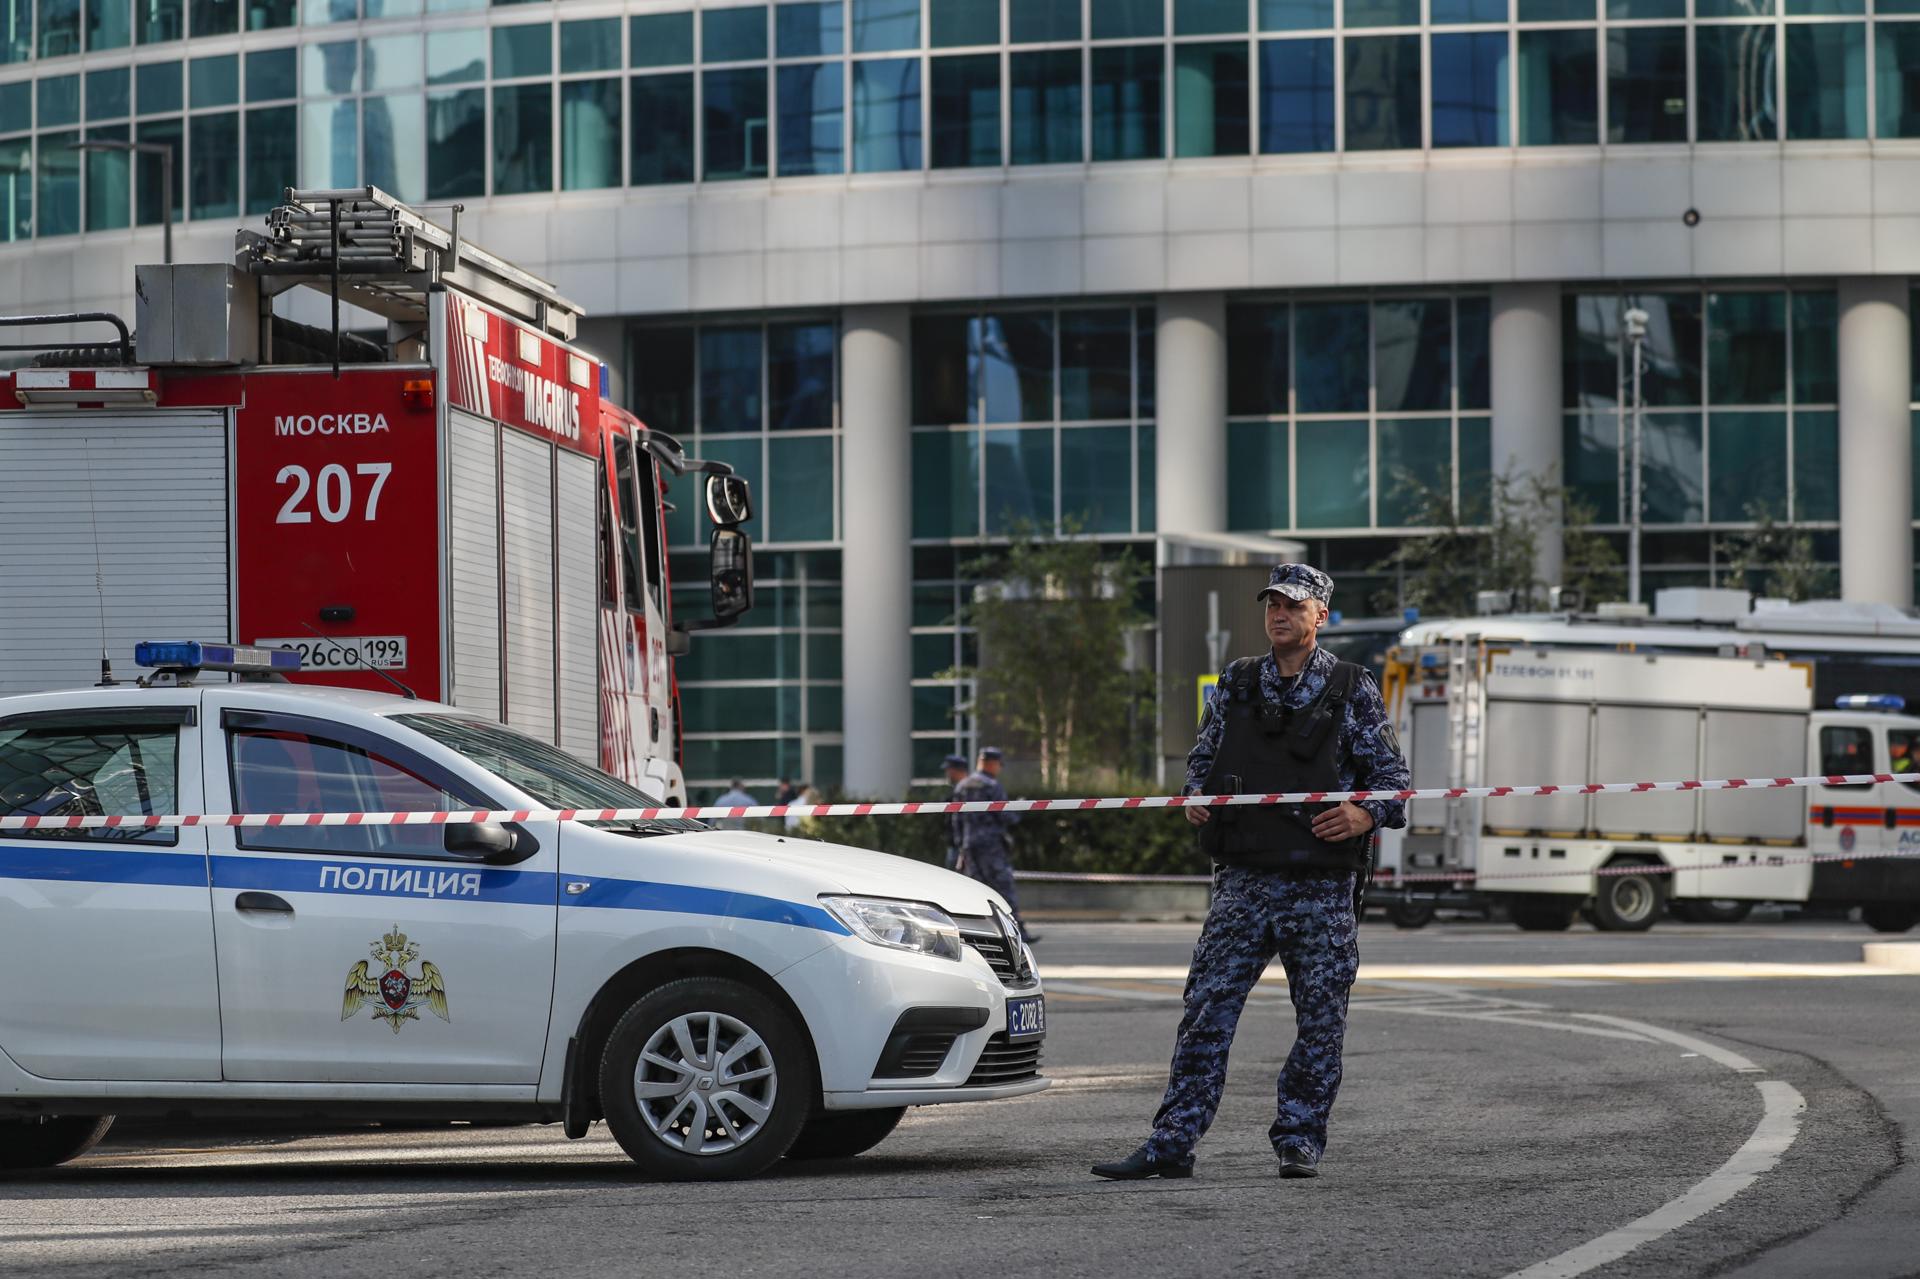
547	773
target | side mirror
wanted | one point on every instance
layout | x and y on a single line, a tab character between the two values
496	843
729	500
732	555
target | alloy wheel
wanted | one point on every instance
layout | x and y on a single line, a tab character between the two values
705	1083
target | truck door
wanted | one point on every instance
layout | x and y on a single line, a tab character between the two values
368	953
1852	818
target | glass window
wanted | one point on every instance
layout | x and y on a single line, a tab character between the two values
886	114
1143	435
148	174
16	190
1412	355
1383	13
1257	476
58	193
109	26
321	12
1671	477
1473	338
589	134
1747	348
522	51
966	111
1296	96
156	21
1590	451
1416	470
330	144
1209	17
456	144
951	23
735	123
16	30
1210	99
592	44
813	29
733	35
1453	11
214	17
800	505
104	770
1096	365
1816	465
214	188
1257	359
1383	93
1594	362
881	25
282	772
800	376
662	152
1330	358
660	39
60	100
271	74
1143	353
457	56
1845	751
1827	80
812	119
1816	348
212	82
1335	474
523	138
946	484
1032	21
265	15
729	379
662	362
1559	89
1019	476
1470	89
1475	482
59	28
272	161
1043	105
1896	71
1128	92
109	180
1556	10
1647	84
16	105
1747	465
1011	362
1733	8
1096	478
1734	75
329	68
941	384
1127	19
392	62
1624	10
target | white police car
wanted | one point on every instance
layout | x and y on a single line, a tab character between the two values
721	998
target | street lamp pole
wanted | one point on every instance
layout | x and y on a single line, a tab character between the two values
165	151
1636	322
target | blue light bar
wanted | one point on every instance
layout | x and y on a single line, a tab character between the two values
1429	660
1410	616
197	655
1870	702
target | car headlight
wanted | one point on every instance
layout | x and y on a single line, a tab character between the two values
913	926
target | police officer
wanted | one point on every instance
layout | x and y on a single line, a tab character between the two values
1285	878
985	851
956	766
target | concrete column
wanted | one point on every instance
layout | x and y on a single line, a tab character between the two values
1525	354
876	568
1876	442
1190	443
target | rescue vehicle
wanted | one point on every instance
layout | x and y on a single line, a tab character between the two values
721	998
1701	688
452	505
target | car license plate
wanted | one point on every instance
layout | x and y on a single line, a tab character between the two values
1027	1018
346	652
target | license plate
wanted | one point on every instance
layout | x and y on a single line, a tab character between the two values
346	652
1027	1018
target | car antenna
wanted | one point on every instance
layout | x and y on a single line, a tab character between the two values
99	577
406	692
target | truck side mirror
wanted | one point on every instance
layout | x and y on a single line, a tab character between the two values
729	500
732	558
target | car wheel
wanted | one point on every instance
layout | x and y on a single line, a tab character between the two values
1889	917
1410	913
1541	917
706	1079
47	1141
1626	903
842	1134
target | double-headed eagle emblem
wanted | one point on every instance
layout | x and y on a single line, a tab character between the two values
395	995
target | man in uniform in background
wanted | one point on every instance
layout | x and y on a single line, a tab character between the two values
986	853
956	766
1285	877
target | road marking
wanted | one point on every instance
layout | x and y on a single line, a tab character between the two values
1543	973
1779	1125
1725	1056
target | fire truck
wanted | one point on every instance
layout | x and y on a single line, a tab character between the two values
449	506
1700	688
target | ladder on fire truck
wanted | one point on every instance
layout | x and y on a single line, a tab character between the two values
1464	669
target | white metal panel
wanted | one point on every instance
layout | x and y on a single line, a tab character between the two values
1427	756
1564	674
149	491
1645	744
1752	744
577	565
473	562
1533	744
526	515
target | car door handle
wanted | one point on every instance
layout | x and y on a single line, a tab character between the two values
263	901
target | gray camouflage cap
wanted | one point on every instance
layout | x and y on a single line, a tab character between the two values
1298	582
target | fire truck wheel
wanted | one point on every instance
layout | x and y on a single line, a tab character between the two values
48	1140
844	1134
1541	916
1890	917
1411	913
1626	903
1710	912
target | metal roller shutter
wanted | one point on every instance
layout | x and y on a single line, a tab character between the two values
526	508
577	561
473	563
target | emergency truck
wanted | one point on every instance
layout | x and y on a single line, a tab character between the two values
451	507
1548	699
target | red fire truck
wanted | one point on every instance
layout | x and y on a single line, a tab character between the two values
452	506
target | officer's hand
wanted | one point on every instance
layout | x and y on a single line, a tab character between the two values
1198	816
1344	821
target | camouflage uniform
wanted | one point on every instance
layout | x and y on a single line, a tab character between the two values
985	851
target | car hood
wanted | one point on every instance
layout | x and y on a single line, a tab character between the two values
858	871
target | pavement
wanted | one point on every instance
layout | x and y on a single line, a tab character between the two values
1515	1104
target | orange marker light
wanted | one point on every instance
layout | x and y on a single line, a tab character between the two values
417	394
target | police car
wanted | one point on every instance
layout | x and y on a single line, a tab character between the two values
720	998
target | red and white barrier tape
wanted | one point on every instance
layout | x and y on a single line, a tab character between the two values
931	807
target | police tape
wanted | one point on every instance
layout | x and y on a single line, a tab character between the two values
714	812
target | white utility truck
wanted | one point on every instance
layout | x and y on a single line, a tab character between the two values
1521	700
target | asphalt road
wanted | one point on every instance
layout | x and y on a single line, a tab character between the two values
1487	1125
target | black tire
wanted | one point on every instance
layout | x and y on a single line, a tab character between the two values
1683	911
1410	913
1716	912
1627	903
1890	917
842	1134
726	1012
49	1141
1541	917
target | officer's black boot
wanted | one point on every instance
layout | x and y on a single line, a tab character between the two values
1298	1161
1141	1164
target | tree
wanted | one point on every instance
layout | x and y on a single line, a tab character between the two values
1053	615
1774	559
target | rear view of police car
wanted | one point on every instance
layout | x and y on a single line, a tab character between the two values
721	998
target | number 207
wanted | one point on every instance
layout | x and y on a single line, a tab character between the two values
333	493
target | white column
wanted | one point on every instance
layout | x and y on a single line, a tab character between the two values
1525	354
1190	397
1876	442
876	568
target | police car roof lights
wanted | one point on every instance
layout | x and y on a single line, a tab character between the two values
1870	702
198	655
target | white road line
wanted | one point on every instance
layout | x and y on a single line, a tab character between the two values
1779	1125
1541	973
1714	1052
1514	1019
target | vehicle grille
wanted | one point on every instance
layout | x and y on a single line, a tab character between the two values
993	948
1002	1062
921	1056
